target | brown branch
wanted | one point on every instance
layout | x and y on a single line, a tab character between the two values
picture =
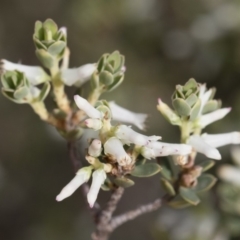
128	216
103	228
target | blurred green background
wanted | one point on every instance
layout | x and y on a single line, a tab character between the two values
165	42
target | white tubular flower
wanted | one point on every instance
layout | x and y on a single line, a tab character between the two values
201	146
93	123
95	148
85	106
157	149
170	148
34	74
213	116
123	115
219	140
230	174
81	177
127	135
98	178
114	148
78	76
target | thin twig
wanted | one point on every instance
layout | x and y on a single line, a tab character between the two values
128	216
103	224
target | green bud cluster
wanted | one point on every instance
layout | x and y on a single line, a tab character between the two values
50	42
109	73
17	88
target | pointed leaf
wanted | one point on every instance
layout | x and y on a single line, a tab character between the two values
146	170
168	187
51	25
38	30
166	171
21	93
44	91
189	195
206	165
45	58
205	182
181	107
178	202
191	83
192	99
141	161
195	110
123	182
210	106
57	48
117	81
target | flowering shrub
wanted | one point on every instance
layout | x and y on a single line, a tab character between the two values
118	152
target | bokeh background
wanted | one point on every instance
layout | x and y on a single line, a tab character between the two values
165	42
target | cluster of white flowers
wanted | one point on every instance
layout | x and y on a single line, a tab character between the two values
113	145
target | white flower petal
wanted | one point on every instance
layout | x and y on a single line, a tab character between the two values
219	140
123	115
34	74
78	76
93	123
127	135
230	174
213	116
81	177
201	146
165	149
114	147
95	148
98	178
84	105
204	99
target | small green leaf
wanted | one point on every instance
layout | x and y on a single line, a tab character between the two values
195	110
181	107
192	99
123	182
166	171
106	78
38	30
190	84
146	170
141	161
45	58
189	195
21	93
117	81
74	134
205	182
178	202
206	165
168	187
44	91
49	24
57	48
94	80
210	106
102	61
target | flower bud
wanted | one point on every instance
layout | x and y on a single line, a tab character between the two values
95	148
95	124
113	147
50	42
